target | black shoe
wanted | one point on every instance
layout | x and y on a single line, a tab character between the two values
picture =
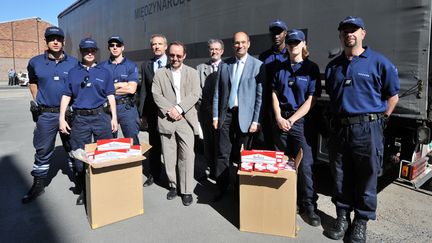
358	231
187	199
81	199
311	218
172	193
149	181
340	226
36	190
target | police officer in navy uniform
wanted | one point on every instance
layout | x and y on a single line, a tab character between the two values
363	87
272	59
294	89
125	75
47	73
90	87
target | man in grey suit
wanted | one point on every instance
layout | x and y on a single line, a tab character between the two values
208	74
176	91
147	108
236	106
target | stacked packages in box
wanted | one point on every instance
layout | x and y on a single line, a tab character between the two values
116	148
265	161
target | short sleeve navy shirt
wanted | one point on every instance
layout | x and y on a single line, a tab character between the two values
89	87
361	85
126	71
50	77
293	84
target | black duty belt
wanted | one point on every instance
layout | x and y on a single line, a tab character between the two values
350	120
287	114
88	112
50	109
122	101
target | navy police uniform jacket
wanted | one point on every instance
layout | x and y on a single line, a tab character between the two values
50	77
361	85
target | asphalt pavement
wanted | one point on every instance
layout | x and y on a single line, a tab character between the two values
54	217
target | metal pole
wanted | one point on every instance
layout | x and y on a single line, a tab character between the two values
37	30
13	45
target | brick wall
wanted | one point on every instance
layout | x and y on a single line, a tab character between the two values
19	41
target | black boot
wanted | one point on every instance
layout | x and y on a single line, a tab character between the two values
358	232
340	226
36	190
311	218
80	188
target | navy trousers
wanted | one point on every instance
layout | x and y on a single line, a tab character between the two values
291	142
128	120
85	127
356	155
44	137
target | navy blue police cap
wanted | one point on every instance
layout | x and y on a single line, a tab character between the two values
53	30
116	38
295	34
87	43
277	23
351	20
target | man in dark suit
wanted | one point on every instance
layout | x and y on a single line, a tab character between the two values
208	72
236	106
147	108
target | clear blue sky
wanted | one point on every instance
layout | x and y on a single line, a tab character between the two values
47	10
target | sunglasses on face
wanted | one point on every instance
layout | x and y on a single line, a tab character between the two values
115	45
174	55
293	42
89	50
53	38
85	81
349	30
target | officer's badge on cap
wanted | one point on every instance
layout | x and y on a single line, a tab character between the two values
277	23
295	35
53	30
87	43
352	20
116	38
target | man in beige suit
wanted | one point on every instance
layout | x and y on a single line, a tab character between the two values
176	89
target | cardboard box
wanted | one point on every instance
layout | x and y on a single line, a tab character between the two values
268	202
114	188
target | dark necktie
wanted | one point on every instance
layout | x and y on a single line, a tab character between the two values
159	62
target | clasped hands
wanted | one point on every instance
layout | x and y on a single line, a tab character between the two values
174	114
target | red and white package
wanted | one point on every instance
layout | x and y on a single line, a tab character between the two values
135	150
260	156
272	168
246	166
114	143
110	154
260	167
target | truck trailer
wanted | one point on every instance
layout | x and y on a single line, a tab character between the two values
399	29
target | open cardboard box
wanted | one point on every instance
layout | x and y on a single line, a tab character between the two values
268	202
114	188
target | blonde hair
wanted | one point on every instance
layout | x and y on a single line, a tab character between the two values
305	52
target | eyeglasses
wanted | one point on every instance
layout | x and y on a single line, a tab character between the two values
85	81
115	45
174	55
293	42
